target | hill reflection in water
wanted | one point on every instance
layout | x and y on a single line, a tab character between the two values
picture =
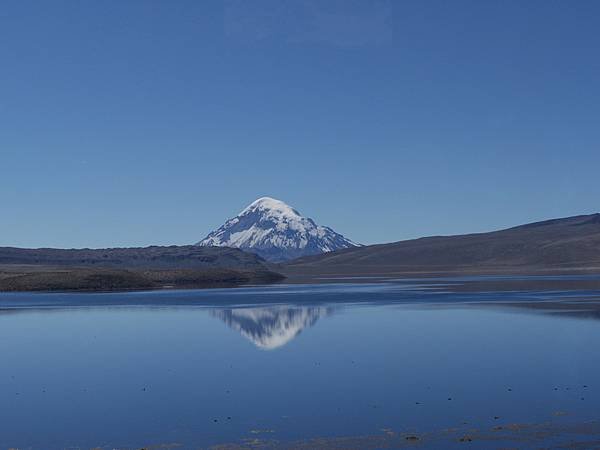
271	327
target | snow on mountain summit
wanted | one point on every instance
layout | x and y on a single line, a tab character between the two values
272	208
276	231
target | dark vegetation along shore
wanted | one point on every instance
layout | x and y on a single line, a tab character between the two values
129	268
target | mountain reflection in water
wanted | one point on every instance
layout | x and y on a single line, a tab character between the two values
271	327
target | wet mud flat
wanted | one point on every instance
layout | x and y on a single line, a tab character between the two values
552	435
501	437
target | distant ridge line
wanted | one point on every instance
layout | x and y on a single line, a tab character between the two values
571	243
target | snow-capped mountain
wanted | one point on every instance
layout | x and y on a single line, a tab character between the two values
277	232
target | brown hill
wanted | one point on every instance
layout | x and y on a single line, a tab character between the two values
568	244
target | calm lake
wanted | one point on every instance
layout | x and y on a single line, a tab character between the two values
384	364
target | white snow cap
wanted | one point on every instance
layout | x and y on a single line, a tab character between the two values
271	204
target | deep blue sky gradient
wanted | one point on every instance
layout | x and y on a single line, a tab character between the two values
151	122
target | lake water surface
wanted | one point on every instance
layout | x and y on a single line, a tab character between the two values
368	365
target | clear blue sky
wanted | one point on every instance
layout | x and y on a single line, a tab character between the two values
129	122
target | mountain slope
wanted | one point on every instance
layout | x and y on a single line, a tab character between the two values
561	244
277	232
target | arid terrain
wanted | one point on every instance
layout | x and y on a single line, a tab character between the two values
568	245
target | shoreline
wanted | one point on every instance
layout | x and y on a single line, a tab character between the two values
43	279
66	279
